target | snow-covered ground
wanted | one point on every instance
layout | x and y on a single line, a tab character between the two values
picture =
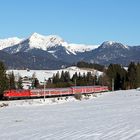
110	116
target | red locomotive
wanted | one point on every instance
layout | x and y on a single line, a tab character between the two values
51	92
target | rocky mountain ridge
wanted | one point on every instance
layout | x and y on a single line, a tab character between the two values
52	52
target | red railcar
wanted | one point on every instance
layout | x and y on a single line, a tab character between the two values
50	92
17	94
89	89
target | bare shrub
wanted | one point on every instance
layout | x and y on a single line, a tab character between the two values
78	96
94	95
3	105
53	100
66	98
86	97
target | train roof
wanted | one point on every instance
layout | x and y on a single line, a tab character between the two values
55	89
85	86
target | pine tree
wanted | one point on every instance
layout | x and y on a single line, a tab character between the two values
12	84
138	75
84	79
49	80
89	78
80	80
33	80
3	79
62	77
74	78
36	83
67	76
95	80
132	75
56	78
19	83
117	74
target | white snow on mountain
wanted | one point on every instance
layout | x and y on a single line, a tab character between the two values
81	47
108	44
4	43
45	43
109	116
50	42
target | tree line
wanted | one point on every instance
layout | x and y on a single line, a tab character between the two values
114	76
63	79
7	81
124	78
83	64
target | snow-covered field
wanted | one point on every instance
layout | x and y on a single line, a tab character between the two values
41	74
110	116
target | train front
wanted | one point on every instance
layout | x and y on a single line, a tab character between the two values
6	94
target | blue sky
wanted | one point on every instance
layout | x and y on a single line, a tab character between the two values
76	21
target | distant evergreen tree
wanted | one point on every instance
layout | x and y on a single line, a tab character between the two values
56	78
19	83
89	78
12	84
49	80
67	76
138	75
117	74
62	77
84	79
3	79
79	80
83	64
35	81
95	80
132	73
53	79
74	78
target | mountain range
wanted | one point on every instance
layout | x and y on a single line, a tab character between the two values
52	52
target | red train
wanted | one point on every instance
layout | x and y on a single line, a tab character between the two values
51	92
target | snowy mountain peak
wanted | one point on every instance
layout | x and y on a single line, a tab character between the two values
44	42
4	43
110	42
47	42
51	38
52	44
35	36
113	44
